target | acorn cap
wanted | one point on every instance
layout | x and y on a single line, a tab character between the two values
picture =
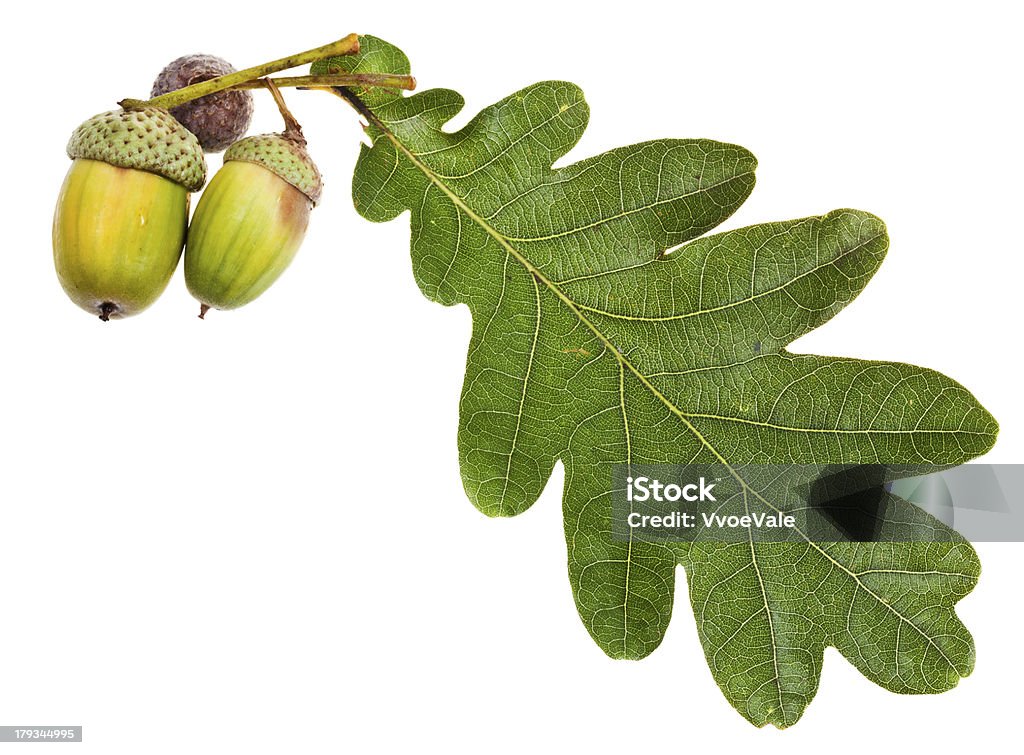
149	139
217	120
284	155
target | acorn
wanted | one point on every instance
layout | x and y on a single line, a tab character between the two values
251	219
122	213
218	120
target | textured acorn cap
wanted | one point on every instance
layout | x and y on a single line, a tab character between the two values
284	155
149	139
217	120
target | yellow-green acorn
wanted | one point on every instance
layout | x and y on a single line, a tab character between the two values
251	219
122	214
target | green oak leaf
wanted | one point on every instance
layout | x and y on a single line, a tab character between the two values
593	346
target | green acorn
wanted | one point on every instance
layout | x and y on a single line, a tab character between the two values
122	214
251	219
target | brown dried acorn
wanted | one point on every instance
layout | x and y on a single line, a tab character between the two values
218	120
121	216
251	219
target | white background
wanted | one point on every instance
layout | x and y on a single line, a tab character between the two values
186	561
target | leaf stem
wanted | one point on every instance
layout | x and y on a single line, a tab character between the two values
359	106
347	46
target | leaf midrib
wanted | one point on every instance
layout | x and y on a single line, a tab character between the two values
460	203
